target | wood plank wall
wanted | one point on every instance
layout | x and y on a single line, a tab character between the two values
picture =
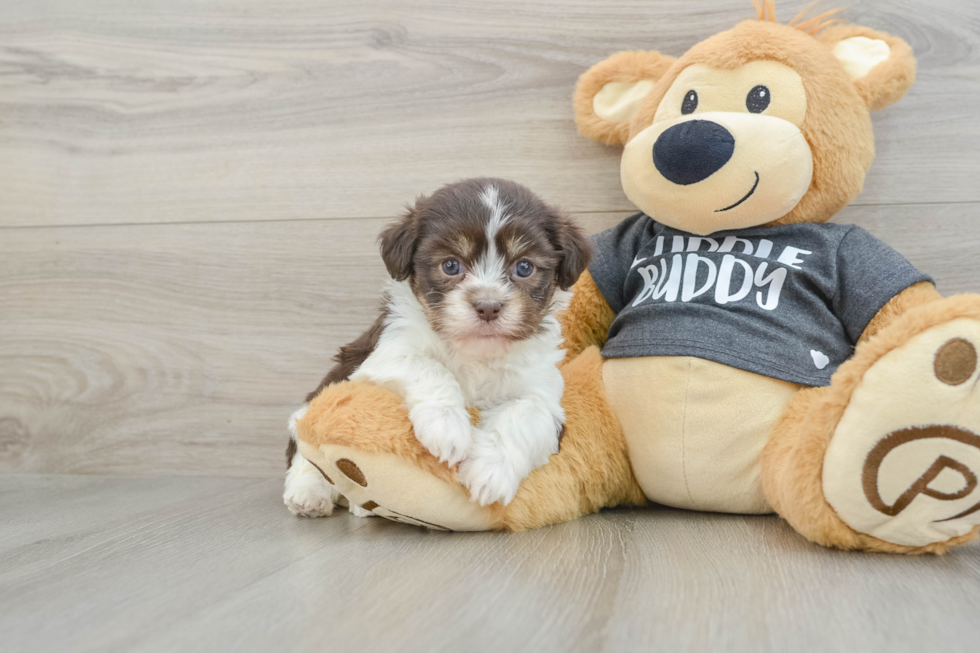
190	192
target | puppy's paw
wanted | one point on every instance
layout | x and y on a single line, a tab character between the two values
306	500
490	477
444	430
307	492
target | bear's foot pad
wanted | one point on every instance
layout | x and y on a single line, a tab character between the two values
388	486
904	462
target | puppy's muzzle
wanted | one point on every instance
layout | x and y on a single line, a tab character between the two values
487	310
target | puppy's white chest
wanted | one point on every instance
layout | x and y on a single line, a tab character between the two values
483	384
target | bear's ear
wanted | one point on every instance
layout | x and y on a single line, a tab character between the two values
610	92
881	66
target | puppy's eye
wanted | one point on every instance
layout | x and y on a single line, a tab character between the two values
758	99
523	269
690	102
451	267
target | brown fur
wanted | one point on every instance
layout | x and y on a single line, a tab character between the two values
450	225
351	356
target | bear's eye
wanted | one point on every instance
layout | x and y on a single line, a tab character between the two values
451	267
758	99
690	102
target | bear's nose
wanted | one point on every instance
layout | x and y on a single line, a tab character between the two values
692	151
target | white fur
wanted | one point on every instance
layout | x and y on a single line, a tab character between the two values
515	384
488	271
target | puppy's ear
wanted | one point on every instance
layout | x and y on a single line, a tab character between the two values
575	251
610	92
881	66
398	241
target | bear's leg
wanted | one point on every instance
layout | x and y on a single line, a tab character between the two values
592	470
360	437
887	458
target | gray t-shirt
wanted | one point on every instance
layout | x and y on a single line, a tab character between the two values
788	302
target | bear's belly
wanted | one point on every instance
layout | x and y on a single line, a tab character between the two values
695	429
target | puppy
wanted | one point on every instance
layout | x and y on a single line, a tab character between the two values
479	272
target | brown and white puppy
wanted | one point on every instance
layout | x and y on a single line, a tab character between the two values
479	271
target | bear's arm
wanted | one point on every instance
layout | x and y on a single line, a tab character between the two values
587	319
915	295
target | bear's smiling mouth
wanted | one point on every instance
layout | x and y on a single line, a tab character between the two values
747	196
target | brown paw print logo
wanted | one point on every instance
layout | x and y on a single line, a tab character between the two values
350	469
954	364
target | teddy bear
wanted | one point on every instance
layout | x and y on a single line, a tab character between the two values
729	349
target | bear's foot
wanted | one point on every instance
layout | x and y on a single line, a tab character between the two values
359	439
386	485
904	460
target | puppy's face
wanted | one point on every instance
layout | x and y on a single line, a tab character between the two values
484	257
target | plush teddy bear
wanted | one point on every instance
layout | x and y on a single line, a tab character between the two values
753	358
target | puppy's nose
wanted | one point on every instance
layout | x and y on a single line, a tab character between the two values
487	310
692	151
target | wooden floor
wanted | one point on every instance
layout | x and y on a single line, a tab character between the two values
104	563
190	194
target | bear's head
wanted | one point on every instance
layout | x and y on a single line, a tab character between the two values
763	124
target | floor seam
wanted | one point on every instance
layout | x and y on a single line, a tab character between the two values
383	217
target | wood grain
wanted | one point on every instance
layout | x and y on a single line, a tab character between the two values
189	199
218	565
175	111
182	349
